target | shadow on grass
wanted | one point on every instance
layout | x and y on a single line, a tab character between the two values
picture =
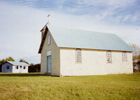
20	74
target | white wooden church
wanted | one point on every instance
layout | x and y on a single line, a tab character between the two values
72	52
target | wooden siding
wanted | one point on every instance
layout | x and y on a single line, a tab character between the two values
93	63
55	56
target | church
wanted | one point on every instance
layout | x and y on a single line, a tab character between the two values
74	52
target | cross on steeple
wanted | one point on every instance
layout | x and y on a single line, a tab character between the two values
48	16
48	23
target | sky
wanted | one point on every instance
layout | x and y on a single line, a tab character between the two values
22	20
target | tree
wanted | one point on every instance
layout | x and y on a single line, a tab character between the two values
10	59
139	58
34	67
31	64
7	59
136	53
22	60
2	61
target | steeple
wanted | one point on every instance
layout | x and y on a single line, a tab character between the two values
43	30
48	23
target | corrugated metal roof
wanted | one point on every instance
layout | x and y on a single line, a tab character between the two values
73	38
17	63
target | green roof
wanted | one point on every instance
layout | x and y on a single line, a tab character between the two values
73	38
17	63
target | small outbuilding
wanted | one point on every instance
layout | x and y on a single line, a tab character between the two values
14	67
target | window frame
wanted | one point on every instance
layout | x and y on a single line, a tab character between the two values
24	67
77	59
16	67
49	39
124	56
7	67
109	57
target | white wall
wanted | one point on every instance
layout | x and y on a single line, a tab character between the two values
93	63
20	70
25	70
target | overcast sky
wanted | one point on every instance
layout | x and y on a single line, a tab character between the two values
22	20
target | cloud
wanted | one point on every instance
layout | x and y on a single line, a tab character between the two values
60	3
119	3
116	11
20	28
136	16
126	18
20	31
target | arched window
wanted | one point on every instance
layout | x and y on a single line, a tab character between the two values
124	56
78	56
49	39
109	57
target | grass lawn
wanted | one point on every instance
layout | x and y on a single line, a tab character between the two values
34	86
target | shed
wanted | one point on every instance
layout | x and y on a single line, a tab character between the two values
14	67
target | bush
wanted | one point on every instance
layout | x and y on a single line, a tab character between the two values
34	68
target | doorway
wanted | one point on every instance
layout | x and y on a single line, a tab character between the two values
48	64
20	69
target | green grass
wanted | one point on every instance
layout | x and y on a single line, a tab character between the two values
34	86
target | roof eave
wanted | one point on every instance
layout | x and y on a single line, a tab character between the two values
95	49
7	62
43	40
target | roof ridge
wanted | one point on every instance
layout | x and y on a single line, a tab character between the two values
79	29
16	63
